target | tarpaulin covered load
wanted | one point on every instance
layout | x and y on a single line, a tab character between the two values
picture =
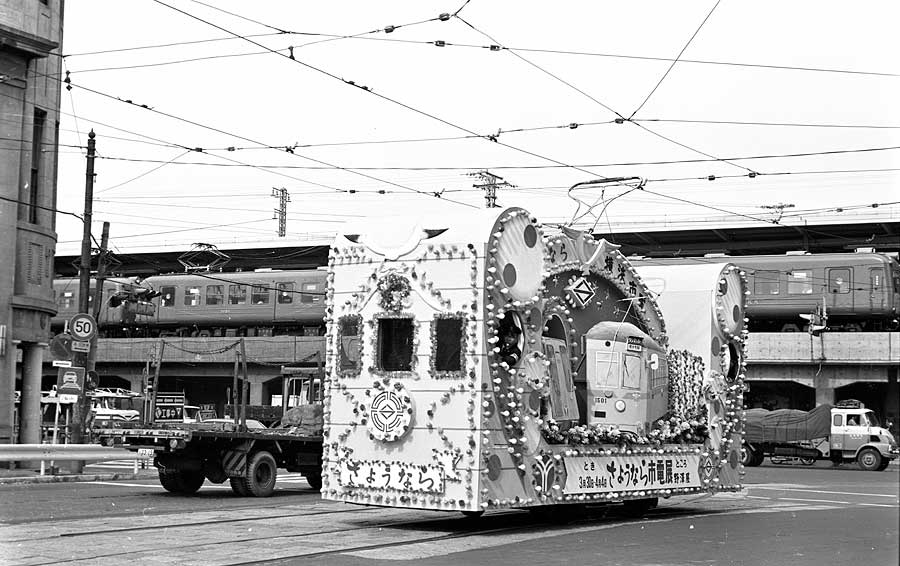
787	425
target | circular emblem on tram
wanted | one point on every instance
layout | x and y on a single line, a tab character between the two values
390	414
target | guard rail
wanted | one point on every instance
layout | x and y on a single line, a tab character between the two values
65	452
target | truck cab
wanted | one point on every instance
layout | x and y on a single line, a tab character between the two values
856	433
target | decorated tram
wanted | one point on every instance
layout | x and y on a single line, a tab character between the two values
486	362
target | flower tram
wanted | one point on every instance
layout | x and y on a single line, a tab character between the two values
484	362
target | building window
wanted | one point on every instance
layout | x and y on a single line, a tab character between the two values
285	293
447	346
237	294
395	344
215	294
350	345
37	139
259	295
191	296
765	283
167	296
800	283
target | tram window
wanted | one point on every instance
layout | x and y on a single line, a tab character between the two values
447	339
839	280
349	343
800	283
285	293
191	296
608	369
167	296
215	294
395	344
259	295
765	283
632	374
237	294
310	293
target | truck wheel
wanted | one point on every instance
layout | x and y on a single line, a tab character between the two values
314	479
868	459
750	456
169	480
884	464
191	481
639	507
239	487
261	474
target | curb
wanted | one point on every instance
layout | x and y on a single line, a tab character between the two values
66	478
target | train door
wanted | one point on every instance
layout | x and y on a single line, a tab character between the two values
840	283
876	289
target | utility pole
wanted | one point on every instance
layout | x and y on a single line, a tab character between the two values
91	364
281	212
489	184
82	407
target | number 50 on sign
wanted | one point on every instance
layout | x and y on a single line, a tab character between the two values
82	326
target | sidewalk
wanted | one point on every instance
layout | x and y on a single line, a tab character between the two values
90	473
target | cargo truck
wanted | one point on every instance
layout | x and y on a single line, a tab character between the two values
845	432
187	454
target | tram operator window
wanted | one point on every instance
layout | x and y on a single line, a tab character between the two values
349	344
607	364
395	344
631	377
167	296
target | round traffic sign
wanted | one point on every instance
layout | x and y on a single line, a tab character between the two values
82	326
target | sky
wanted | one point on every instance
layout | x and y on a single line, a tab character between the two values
714	113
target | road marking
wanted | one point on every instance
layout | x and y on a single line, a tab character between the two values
840	502
831	492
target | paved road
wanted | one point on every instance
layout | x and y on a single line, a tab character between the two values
787	515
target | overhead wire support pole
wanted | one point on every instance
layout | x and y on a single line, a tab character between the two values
281	212
84	270
490	183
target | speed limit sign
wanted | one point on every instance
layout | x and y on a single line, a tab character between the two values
82	326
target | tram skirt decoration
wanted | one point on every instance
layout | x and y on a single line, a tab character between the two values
456	380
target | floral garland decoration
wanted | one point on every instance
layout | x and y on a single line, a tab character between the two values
394	290
672	430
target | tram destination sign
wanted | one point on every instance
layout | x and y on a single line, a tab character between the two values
608	474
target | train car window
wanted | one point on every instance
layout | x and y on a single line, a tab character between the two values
285	293
167	296
395	344
631	375
67	300
447	346
259	295
608	369
766	283
839	280
191	296
800	283
215	294
310	293
349	344
237	294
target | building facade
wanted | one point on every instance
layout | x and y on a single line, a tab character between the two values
30	65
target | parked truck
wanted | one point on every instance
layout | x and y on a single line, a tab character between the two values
845	432
188	454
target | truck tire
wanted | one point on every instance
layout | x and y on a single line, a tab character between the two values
169	480
314	479
239	487
261	473
751	456
180	481
869	459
